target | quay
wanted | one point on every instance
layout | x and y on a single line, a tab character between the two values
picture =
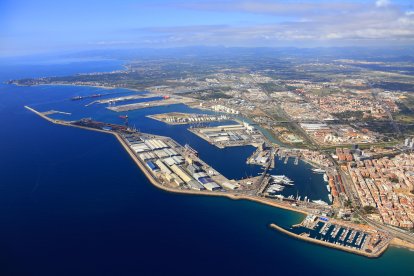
235	195
141	105
178	118
374	243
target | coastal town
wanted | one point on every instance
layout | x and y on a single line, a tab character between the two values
207	137
176	168
355	142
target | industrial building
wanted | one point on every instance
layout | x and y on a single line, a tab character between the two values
165	162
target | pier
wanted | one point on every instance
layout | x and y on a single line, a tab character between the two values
163	102
371	244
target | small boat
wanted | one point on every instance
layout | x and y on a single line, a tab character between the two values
280	196
325	177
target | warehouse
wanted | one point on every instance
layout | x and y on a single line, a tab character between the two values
146	156
133	139
170	152
205	180
162	167
199	175
181	173
161	153
172	177
195	185
212	186
169	161
152	166
155	144
178	159
140	147
230	186
193	168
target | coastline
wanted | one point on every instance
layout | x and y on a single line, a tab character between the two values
156	183
396	242
234	196
86	85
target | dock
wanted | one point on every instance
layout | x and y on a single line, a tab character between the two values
370	243
148	104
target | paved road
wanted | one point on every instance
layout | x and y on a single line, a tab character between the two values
397	233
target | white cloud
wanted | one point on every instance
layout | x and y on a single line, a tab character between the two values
382	3
337	23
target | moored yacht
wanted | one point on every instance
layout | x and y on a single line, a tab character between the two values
318	170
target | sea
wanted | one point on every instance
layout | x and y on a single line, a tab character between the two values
72	202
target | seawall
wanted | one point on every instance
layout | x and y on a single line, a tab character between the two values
155	181
328	244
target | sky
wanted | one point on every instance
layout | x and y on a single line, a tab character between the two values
42	26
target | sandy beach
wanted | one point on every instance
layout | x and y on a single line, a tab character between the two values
396	242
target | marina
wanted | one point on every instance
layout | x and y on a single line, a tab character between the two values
351	238
124	193
179	168
225	160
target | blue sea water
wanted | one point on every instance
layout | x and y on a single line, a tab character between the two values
72	202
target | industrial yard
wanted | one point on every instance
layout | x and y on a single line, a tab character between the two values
163	102
176	168
112	101
230	135
178	118
174	165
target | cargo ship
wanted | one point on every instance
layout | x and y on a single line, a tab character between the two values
77	98
190	149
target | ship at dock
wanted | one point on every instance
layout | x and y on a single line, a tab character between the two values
78	98
191	150
318	170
